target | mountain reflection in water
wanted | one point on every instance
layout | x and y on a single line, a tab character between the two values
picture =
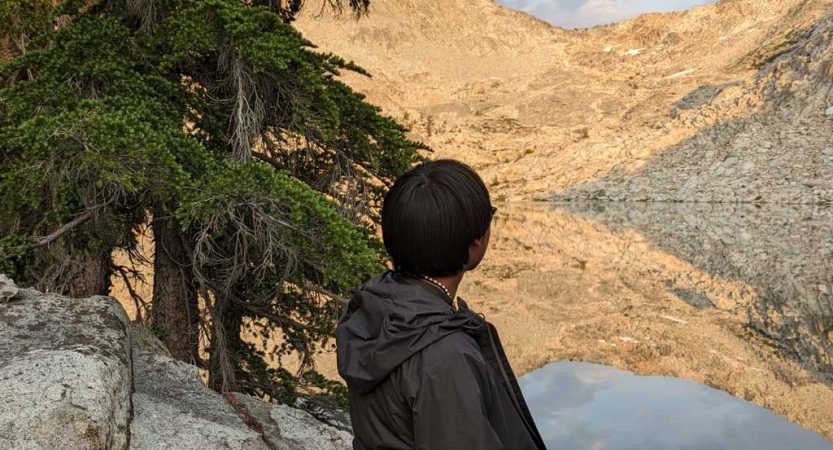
581	406
783	252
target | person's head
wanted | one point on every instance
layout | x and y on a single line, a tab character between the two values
436	219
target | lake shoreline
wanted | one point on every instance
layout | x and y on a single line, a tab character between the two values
562	286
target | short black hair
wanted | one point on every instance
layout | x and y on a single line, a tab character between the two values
432	215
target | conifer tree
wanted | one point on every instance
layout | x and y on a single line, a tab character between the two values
216	125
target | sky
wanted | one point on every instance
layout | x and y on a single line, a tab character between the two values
587	13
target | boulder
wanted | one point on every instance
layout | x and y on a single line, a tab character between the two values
64	372
285	428
173	409
76	374
7	289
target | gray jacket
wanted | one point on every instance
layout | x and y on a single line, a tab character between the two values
423	376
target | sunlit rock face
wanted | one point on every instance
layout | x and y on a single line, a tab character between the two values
725	102
774	148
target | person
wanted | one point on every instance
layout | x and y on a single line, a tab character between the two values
423	370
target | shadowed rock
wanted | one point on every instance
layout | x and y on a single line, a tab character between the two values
286	428
174	410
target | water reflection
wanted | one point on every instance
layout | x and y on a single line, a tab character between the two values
785	253
586	406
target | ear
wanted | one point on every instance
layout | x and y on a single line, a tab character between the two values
477	244
476	251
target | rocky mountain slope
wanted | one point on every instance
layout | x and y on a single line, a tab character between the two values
724	102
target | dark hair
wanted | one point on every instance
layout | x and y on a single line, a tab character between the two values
432	215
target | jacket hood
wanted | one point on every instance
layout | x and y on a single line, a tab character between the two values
388	321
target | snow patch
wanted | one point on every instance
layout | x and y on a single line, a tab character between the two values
681	74
673	319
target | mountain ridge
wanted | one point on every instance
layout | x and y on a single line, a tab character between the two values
540	110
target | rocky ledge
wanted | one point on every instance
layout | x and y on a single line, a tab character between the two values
77	374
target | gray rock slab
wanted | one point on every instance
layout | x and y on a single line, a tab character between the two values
142	339
174	410
64	373
286	428
7	288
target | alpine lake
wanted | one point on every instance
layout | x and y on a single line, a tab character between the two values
587	406
694	296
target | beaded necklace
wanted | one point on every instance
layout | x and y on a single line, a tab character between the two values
439	286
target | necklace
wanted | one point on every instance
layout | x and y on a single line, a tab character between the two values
440	286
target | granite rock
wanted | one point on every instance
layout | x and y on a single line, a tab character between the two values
173	409
64	373
7	289
286	428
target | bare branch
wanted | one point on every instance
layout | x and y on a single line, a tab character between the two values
138	301
249	108
323	291
145	10
268	159
46	240
283	321
66	228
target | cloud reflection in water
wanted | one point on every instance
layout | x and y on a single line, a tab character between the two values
591	407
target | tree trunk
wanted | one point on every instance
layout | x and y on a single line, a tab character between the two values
175	309
93	278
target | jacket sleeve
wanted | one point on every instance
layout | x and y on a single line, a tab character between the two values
449	406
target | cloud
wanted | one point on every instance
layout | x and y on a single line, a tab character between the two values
588	13
604	11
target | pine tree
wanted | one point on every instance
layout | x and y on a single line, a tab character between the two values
216	125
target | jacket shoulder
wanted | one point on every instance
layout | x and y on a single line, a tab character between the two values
455	360
452	349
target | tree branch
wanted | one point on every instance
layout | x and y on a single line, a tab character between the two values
323	291
269	160
52	237
46	240
285	321
138	301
